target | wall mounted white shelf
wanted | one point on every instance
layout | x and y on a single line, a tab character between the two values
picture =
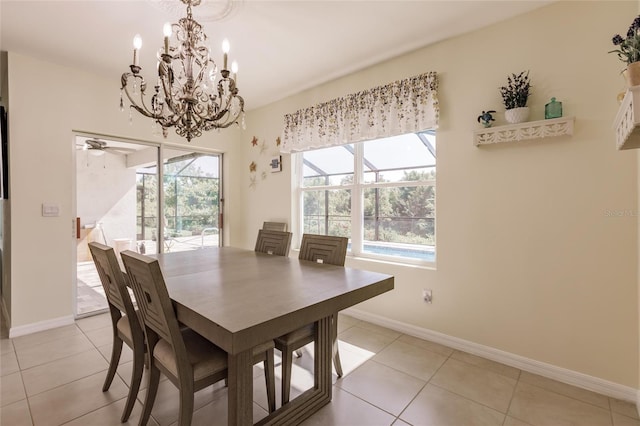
524	131
628	119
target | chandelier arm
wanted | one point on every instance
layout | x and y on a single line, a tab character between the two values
144	109
167	78
231	119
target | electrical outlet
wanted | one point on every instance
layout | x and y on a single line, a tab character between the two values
427	295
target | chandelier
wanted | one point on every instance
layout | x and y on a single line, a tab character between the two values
186	96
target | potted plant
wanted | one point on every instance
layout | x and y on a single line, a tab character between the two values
515	95
628	51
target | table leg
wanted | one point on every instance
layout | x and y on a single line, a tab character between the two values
323	356
240	404
298	409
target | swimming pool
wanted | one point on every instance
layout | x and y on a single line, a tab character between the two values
428	253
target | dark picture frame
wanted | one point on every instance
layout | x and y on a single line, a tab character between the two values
4	164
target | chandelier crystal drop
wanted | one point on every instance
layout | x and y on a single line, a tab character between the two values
186	95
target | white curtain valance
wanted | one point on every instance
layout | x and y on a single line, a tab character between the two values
404	106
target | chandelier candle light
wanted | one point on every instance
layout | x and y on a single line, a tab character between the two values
186	95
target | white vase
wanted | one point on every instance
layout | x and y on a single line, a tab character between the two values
517	115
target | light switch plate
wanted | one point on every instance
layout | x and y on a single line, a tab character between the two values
50	210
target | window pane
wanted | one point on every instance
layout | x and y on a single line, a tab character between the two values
147	205
400	159
327	212
394	217
191	200
330	166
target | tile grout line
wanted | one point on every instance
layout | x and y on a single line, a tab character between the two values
94	347
513	394
467	398
426	382
572	397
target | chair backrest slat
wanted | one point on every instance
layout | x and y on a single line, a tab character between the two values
153	299
325	248
273	242
113	280
274	226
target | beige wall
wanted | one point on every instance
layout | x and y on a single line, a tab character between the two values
532	258
528	260
48	102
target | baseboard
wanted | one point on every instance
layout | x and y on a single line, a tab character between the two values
550	371
40	326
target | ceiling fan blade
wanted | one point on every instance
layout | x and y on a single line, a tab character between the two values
119	150
95	144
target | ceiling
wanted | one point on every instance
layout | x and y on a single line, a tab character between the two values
282	47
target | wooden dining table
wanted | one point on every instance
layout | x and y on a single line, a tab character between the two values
239	299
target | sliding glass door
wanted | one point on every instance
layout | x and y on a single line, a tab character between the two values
120	203
192	197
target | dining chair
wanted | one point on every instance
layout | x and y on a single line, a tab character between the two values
274	226
190	361
125	321
321	249
273	242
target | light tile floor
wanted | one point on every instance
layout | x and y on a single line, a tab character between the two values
90	297
55	377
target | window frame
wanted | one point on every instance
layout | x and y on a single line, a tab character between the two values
358	188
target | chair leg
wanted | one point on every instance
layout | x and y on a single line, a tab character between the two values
186	406
287	361
152	390
336	353
136	378
270	378
336	360
116	350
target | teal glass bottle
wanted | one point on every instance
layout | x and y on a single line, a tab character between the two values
553	109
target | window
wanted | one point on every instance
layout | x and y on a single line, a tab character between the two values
379	193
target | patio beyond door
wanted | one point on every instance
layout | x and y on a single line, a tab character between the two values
192	197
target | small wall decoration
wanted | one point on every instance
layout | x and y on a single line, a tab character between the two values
515	95
266	157
553	109
486	118
276	164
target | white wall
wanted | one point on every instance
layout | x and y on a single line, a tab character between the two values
47	103
106	195
529	260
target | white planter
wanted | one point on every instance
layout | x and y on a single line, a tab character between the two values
517	115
